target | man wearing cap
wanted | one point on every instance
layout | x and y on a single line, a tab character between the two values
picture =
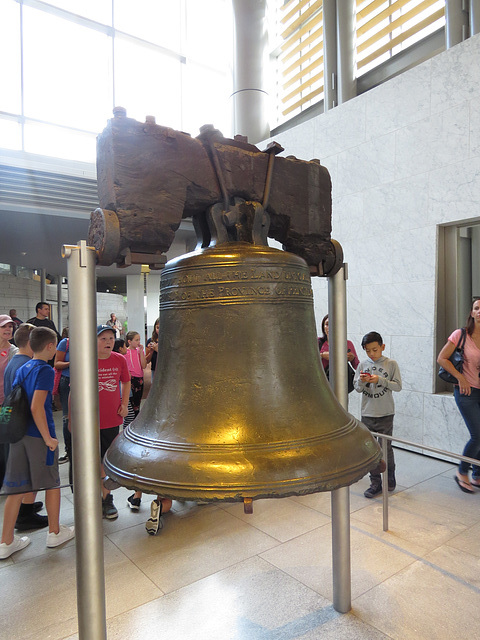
113	394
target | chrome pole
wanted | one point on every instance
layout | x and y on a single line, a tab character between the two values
340	498
85	441
385	484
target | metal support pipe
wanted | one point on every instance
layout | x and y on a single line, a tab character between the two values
346	48
249	97
59	305
340	498
86	447
456	23
384	442
474	14
330	54
43	285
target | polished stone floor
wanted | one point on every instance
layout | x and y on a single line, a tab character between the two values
214	573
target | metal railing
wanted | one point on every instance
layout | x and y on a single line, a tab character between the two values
382	438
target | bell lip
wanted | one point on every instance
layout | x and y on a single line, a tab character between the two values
238	492
288	485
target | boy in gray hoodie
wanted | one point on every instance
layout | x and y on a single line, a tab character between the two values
376	378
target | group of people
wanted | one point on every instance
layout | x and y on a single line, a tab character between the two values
33	461
377	376
125	361
27	353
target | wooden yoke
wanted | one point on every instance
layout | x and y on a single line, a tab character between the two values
151	177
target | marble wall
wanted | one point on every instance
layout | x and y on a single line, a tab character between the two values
404	158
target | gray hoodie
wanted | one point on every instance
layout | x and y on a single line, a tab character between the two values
377	399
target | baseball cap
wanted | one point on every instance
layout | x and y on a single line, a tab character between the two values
103	327
4	319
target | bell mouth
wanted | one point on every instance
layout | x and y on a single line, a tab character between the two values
231	473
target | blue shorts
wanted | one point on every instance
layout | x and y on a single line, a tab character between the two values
27	468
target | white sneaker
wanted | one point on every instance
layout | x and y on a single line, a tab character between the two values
64	535
18	543
154	523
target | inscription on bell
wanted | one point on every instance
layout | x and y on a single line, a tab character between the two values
226	284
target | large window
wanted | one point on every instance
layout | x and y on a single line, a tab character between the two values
384	28
458	278
299	58
65	64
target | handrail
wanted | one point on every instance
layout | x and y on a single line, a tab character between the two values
383	439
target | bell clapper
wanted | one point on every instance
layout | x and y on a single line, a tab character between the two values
248	505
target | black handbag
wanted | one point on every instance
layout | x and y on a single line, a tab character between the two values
456	359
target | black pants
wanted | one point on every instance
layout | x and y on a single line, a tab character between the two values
137	393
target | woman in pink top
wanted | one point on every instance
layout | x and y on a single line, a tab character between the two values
136	363
352	357
467	392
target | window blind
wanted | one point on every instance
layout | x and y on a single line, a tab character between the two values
301	57
385	27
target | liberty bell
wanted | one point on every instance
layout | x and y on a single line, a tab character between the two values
240	407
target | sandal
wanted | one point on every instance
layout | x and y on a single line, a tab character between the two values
464	486
475	484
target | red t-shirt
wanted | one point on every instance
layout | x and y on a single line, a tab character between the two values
111	372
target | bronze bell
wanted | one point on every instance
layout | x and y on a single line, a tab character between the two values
240	407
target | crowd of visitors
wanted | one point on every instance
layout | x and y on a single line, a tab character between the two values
35	356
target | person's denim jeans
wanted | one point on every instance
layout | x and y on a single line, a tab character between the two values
469	407
64	392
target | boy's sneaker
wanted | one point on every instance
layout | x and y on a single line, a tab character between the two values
154	523
134	503
64	535
373	490
18	543
109	509
63	459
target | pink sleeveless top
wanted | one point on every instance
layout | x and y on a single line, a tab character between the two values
133	363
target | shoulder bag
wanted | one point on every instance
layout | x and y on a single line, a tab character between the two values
456	359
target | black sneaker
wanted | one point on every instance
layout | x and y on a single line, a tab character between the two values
63	459
31	521
110	511
373	490
133	503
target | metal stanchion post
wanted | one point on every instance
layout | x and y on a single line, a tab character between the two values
385	484
340	498
85	438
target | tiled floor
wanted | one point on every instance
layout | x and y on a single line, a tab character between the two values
214	573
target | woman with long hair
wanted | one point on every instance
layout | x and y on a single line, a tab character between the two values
467	392
152	347
352	358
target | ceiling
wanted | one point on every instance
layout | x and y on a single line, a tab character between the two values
41	210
